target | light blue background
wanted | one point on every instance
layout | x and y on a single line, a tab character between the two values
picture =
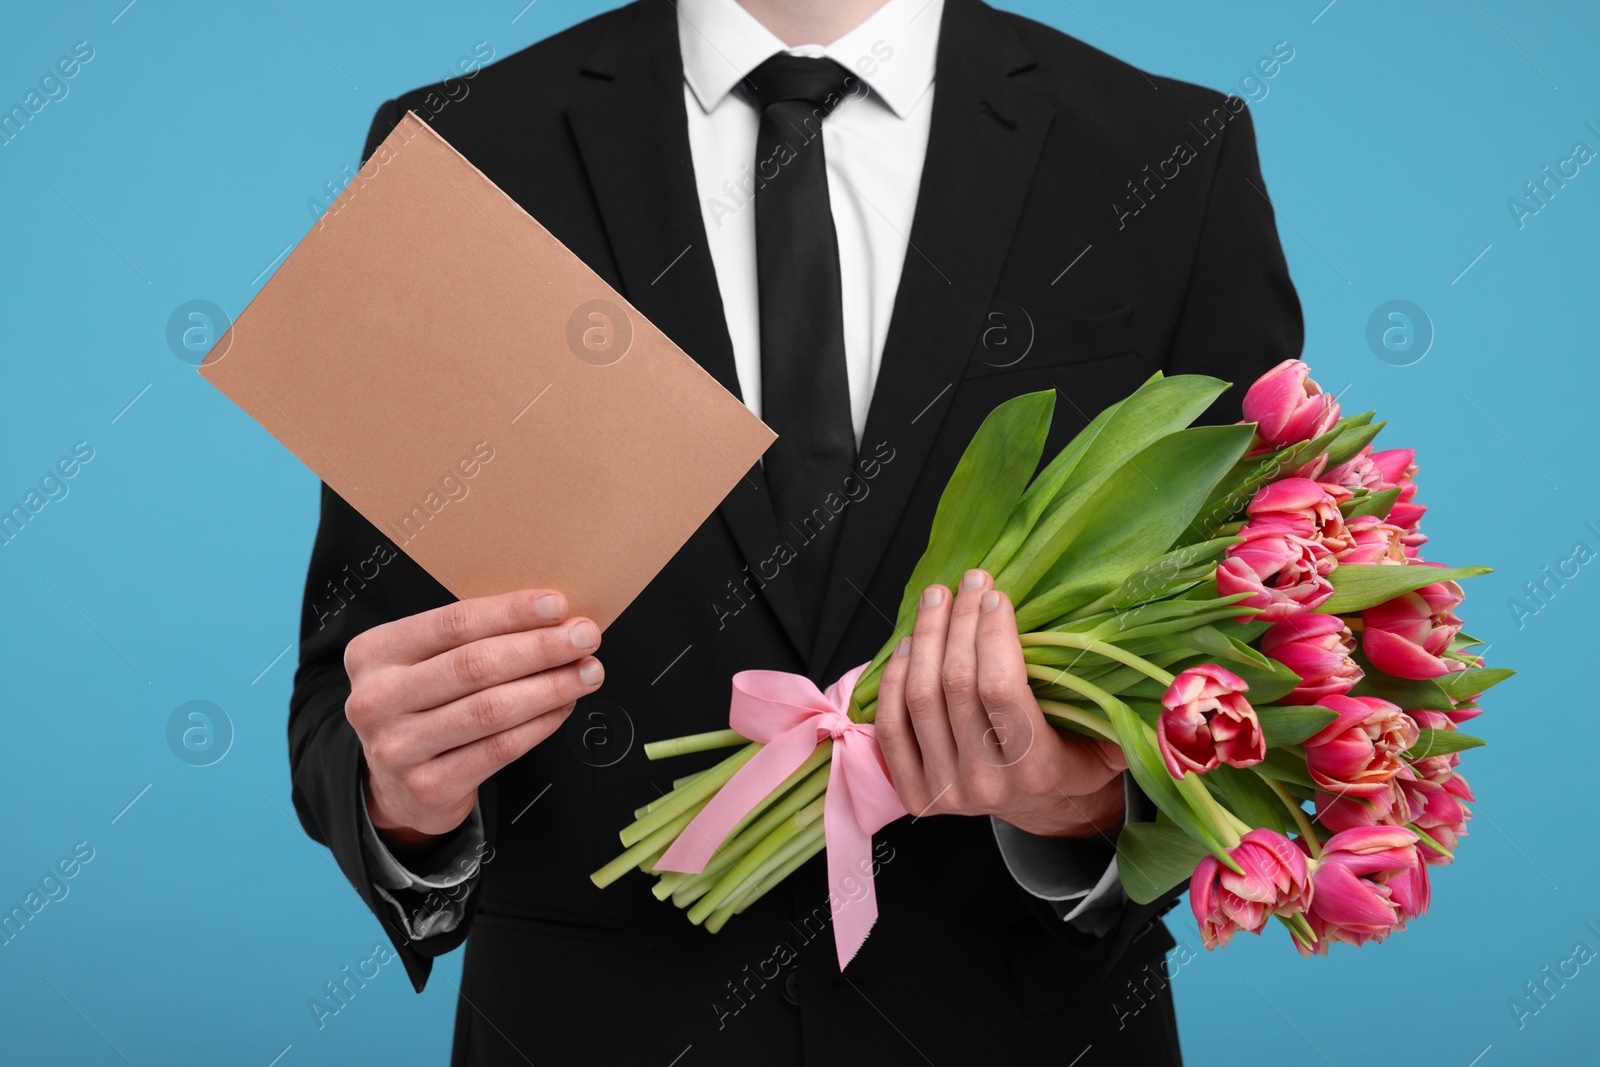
179	166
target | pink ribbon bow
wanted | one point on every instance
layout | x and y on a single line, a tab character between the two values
791	717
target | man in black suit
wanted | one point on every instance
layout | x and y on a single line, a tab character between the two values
1066	222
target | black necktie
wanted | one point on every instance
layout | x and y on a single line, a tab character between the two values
805	391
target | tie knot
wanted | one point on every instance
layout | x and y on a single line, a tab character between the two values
822	83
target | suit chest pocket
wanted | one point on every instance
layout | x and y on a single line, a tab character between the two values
1011	338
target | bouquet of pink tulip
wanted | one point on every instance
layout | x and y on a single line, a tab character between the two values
1243	609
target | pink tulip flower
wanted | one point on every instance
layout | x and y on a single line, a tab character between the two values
1369	882
1408	636
1317	647
1286	575
1206	720
1441	813
1464	710
1397	469
1304	508
1359	752
1436	796
1397	466
1390	807
1275	882
1433	768
1359	472
1288	407
1373	540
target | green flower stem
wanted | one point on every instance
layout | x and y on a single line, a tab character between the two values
813	783
677	784
866	693
682	746
647	848
772	880
647	864
1307	831
1232	829
1099	648
729	883
693	793
692	888
1081	719
668	882
800	843
1093	607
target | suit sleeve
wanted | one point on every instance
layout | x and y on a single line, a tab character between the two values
356	579
1240	317
1076	875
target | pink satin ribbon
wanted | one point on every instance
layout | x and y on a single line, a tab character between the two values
790	716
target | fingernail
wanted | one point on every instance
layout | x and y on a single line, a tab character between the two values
990	601
903	649
972	579
933	596
551	606
584	634
591	673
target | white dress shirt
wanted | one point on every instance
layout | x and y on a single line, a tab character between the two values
875	144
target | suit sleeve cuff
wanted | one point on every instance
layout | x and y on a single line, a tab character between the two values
1077	876
432	898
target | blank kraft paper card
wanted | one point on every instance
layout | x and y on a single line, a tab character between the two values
478	393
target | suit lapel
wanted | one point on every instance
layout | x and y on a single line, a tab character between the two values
628	120
983	147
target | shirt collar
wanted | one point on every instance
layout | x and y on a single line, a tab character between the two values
893	51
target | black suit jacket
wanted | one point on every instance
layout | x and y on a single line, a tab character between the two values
1053	195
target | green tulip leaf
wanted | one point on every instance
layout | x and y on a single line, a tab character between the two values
1044	488
1158	407
1378	504
1288	766
1351	421
1214	642
1148	710
1282	726
1151	581
1355	433
1359	586
1464	685
1163	616
1131	519
1410	694
1248	797
1441	743
1267	685
1226	502
1171	633
1120	680
1249	632
973	510
1154	858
